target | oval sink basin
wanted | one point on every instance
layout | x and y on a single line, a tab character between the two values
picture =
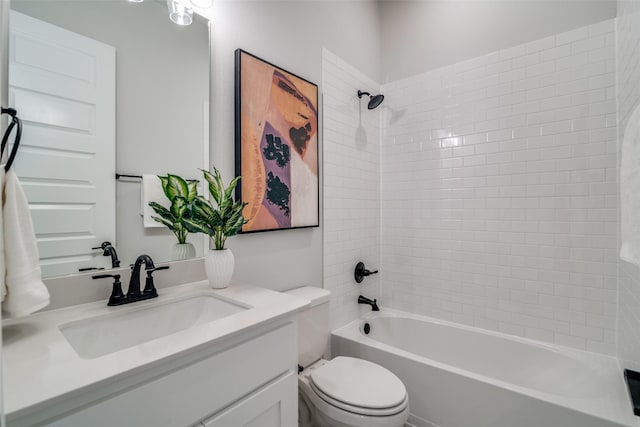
101	335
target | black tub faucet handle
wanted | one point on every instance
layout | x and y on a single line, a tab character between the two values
361	272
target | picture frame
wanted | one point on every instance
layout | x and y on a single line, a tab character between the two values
277	146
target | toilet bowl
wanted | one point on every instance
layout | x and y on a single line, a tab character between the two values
344	391
350	392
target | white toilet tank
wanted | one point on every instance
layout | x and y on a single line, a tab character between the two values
313	324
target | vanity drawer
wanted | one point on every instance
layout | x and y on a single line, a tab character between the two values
187	395
275	405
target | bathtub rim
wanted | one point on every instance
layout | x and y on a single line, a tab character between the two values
616	408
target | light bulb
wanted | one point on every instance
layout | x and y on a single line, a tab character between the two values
179	13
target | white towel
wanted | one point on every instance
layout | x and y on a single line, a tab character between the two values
630	191
25	292
151	191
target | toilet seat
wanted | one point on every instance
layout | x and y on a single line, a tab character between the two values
360	410
359	386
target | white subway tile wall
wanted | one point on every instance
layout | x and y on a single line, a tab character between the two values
499	191
628	75
351	227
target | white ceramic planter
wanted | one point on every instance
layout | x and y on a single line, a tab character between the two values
183	251
219	267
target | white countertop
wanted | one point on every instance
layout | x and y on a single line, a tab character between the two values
40	366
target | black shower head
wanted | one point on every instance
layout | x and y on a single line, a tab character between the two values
374	100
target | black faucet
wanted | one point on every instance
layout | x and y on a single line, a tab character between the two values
371	302
149	291
133	293
109	250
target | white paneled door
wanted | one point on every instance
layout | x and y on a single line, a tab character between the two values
63	86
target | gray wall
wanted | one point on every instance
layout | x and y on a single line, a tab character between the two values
422	35
290	35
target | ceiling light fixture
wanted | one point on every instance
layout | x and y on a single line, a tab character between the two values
179	13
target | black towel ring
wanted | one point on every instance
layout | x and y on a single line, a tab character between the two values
5	138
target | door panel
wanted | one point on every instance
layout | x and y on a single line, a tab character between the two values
63	86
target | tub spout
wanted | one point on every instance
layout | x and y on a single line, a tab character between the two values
372	302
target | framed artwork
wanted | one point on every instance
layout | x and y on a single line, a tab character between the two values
276	146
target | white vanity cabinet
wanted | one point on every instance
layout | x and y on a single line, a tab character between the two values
250	380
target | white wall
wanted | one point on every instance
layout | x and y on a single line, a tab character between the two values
290	35
421	35
628	73
351	187
499	191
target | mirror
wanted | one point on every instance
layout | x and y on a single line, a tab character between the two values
105	87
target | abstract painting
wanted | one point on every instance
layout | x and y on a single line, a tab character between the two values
276	146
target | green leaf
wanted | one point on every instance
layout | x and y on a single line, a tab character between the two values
178	208
214	189
234	227
217	220
219	184
193	190
164	180
234	217
201	210
177	187
195	226
162	211
225	206
232	186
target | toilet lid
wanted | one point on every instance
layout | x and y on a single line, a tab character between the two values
359	383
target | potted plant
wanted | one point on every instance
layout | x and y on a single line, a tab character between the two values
181	194
219	221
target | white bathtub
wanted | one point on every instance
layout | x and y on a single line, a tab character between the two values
459	376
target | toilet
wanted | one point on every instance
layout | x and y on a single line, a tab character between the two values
343	391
